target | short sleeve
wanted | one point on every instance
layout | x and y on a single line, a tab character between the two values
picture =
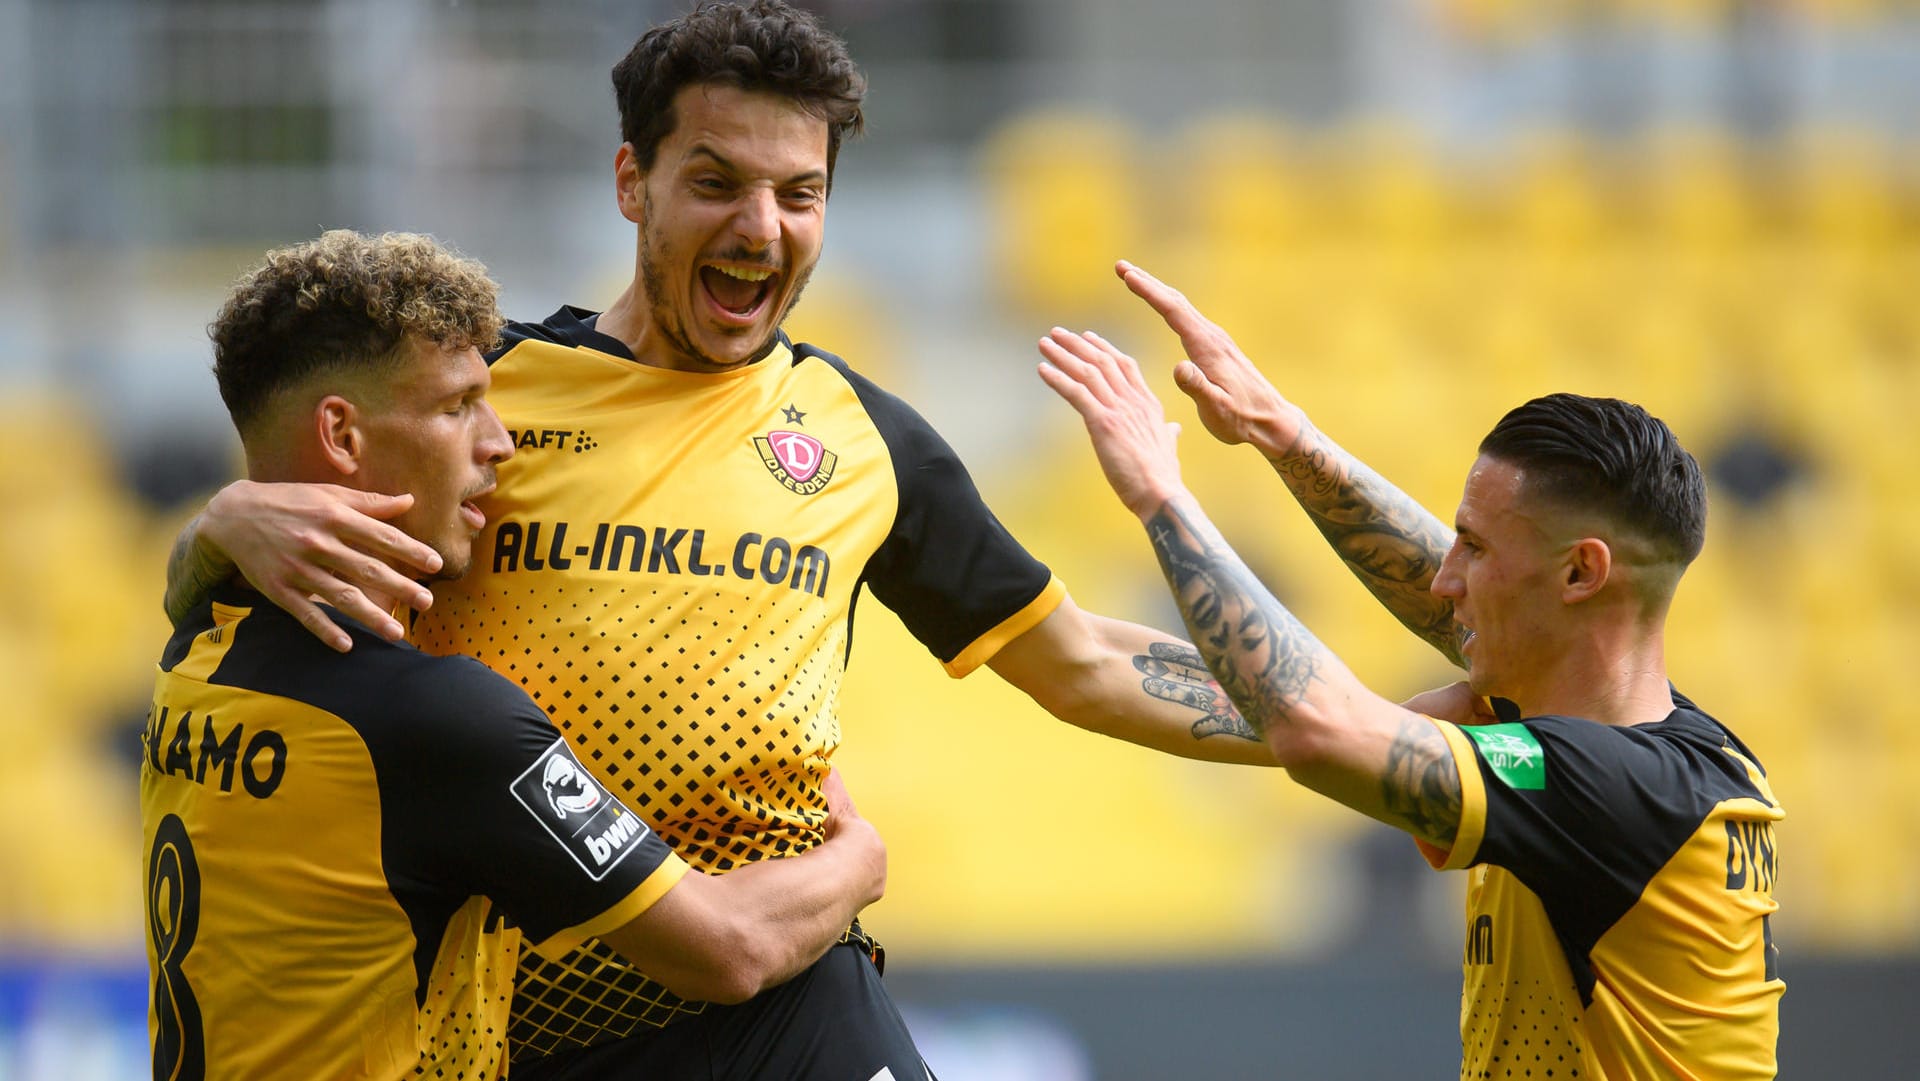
954	575
1584	814
1473	806
481	791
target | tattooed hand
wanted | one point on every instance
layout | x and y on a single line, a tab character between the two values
1177	673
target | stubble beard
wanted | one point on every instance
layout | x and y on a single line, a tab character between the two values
450	569
667	322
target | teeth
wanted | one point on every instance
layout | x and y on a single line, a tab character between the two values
745	274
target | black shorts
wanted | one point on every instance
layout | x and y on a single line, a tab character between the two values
833	1022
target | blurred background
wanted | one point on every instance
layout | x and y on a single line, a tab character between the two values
1413	213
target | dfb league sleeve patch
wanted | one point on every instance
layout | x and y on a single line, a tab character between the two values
595	828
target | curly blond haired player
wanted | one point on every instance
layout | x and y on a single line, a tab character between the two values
347	852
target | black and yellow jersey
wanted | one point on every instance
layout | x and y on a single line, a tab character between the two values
1617	909
346	852
670	568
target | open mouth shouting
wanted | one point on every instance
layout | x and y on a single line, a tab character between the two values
738	294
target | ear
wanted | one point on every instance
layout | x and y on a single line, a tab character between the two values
336	424
1588	565
628	180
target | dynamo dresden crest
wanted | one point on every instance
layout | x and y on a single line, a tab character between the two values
796	460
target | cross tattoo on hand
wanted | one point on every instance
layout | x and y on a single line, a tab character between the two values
1175	672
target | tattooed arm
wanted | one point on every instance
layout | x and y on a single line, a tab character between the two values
1130	682
1389	542
1332	733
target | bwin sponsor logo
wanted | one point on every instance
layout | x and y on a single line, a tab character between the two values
625	828
567	789
590	823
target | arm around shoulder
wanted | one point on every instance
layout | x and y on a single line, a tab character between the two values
298	542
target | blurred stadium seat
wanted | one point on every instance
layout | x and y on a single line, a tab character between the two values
1065	195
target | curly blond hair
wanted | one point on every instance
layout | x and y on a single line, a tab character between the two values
340	302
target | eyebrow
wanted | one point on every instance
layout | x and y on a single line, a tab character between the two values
811	176
466	390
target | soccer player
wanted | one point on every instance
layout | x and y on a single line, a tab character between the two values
1621	841
346	852
672	558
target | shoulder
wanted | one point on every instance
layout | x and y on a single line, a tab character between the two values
569	327
377	685
890	412
921	455
1687	759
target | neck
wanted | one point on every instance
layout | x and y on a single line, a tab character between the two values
1622	681
625	321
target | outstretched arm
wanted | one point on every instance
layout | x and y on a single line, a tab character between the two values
726	938
298	542
1389	542
1332	733
1129	682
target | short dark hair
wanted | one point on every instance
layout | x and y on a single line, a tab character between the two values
1612	458
764	45
339	302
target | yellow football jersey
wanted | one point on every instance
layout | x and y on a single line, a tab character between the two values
1618	903
335	844
670	567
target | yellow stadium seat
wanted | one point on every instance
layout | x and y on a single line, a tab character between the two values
1067	202
1840	186
1696	195
1555	204
1393	189
1245	188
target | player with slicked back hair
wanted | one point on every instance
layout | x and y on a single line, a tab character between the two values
1620	841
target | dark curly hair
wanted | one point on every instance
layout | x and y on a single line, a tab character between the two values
1612	458
764	45
343	301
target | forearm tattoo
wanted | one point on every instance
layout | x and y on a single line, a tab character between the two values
1264	658
1268	664
1422	784
1175	672
191	575
1389	542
